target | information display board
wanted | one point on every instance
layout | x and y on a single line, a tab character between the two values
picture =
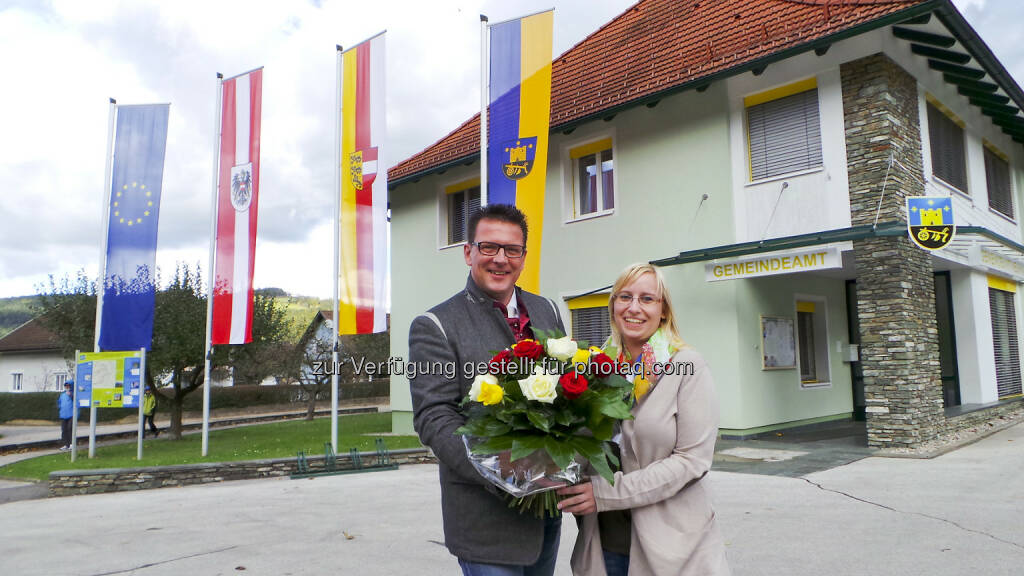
109	379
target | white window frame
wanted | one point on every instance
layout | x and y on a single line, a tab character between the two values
59	379
445	192
823	355
569	170
17	382
772	95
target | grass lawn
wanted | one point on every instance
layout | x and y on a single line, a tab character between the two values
256	442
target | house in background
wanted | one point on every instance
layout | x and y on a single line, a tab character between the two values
31	360
760	152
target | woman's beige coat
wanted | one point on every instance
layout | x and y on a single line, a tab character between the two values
666	452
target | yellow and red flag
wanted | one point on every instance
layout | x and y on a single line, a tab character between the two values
362	266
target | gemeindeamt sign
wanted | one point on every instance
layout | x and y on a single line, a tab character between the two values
819	258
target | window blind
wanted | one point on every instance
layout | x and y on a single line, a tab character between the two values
784	135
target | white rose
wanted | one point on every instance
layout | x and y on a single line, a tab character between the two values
561	348
474	390
540	386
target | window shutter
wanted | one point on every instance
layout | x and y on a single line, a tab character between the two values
947	143
784	135
591	324
457	218
997	174
1004	340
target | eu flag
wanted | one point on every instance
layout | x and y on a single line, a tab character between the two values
129	286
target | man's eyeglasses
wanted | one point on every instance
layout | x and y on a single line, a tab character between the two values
625	299
491	249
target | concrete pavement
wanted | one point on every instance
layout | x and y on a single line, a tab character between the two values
956	514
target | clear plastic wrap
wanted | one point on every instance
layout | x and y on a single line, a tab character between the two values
524	477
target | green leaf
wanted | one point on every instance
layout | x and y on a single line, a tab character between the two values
494	445
616	381
540	420
593	451
602	428
566	417
523	446
610	454
560	452
611	404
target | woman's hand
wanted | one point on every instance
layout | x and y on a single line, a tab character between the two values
579	499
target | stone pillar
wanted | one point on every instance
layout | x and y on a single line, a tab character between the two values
899	350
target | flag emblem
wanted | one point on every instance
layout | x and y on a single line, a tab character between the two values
241	186
131	204
930	221
363	167
518	157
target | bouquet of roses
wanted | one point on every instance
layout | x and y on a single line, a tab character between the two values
539	406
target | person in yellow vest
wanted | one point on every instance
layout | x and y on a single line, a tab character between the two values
149	412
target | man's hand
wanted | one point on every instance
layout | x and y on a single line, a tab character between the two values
579	499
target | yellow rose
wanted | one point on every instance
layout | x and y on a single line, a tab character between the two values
580	359
490	394
596	350
474	391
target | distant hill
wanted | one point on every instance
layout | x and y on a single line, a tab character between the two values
14	312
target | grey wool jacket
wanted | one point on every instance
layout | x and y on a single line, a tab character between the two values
467	328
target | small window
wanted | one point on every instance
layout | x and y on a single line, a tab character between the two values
997	175
591	325
16	382
784	130
593	182
462	204
1004	336
59	379
812	343
946	138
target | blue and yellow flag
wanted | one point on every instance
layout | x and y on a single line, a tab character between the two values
520	104
129	284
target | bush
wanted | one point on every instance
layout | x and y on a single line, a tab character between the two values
43	405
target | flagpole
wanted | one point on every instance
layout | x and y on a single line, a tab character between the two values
102	280
484	98
211	275
74	415
142	397
337	244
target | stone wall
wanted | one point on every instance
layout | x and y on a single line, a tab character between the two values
74	482
899	350
988	417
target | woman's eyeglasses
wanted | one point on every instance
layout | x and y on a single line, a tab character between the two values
625	299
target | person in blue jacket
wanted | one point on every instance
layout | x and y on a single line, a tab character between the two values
66	411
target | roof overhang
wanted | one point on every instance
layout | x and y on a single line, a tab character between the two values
961	56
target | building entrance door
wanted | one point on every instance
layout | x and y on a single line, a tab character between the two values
947	343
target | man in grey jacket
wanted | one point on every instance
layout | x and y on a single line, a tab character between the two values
491	314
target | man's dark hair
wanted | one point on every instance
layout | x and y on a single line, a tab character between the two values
501	213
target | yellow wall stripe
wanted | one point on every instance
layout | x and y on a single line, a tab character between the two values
464	185
942	108
347	270
589	301
780	92
805	307
592	148
992	148
1002	284
534	115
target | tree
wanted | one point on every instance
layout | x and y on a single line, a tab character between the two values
179	333
256	361
308	364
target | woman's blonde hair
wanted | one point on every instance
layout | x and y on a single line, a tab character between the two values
668	321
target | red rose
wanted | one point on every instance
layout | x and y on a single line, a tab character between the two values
528	349
602	365
500	361
573	384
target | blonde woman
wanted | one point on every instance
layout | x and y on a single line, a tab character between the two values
657	518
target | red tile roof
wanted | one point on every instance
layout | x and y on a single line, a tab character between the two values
30	337
656	46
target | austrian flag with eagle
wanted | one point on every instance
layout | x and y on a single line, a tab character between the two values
237	192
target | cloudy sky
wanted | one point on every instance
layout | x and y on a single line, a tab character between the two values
63	59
